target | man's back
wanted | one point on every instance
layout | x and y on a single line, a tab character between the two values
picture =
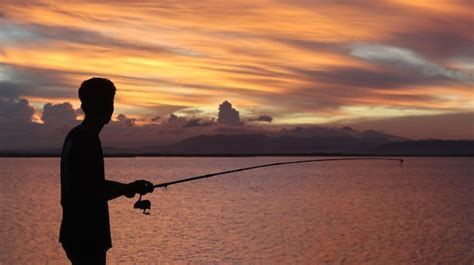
85	225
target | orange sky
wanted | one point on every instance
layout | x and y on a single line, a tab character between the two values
301	61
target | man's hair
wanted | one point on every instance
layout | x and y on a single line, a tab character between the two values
96	90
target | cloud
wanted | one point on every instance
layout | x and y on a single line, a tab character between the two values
59	114
30	34
326	91
439	42
15	111
125	121
407	60
264	118
20	81
365	79
227	114
310	44
298	61
173	119
19	133
47	85
190	111
198	122
189	122
9	90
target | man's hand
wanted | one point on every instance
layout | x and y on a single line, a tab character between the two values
141	187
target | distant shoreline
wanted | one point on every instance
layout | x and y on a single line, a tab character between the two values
118	155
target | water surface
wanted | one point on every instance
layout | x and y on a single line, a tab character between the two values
355	212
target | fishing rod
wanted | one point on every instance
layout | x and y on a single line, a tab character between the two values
146	204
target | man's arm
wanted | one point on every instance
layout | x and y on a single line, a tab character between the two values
113	189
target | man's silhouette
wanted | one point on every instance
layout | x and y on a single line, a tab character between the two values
85	228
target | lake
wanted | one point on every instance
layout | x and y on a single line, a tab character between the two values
348	212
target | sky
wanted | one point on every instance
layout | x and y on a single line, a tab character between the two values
405	67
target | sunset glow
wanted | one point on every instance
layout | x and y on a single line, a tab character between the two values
301	62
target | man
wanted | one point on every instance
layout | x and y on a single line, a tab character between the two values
85	228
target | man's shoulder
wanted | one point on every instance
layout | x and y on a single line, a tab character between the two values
76	138
78	141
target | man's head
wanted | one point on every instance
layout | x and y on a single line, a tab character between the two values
97	99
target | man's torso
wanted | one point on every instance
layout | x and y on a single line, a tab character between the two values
85	224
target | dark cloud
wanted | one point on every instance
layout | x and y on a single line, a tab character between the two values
264	118
353	77
227	114
19	133
310	45
189	122
191	111
59	114
437	43
155	119
79	112
173	119
198	122
10	90
125	121
36	82
37	33
15	111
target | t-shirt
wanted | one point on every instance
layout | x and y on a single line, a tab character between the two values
85	224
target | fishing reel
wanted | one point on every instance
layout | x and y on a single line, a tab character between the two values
143	205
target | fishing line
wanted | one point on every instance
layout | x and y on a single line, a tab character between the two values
146	204
166	184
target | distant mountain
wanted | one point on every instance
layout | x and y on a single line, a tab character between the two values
295	141
429	147
316	140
